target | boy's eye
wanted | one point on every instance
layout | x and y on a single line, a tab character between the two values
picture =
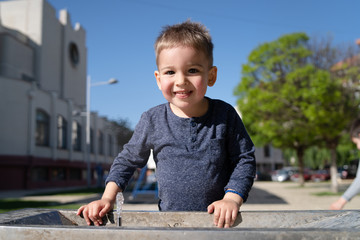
169	72
193	70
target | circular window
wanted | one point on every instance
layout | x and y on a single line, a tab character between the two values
74	54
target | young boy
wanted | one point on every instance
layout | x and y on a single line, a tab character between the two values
354	188
204	156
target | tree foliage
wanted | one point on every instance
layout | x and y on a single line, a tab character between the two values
288	96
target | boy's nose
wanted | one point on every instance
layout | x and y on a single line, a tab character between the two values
180	80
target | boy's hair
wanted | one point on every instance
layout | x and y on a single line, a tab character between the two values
186	34
355	129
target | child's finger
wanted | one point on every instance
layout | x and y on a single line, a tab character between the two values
95	216
79	211
103	211
221	220
233	216
211	208
86	217
228	219
217	213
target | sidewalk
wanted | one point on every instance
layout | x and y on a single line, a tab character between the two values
290	196
263	196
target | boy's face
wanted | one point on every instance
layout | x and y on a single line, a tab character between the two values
183	77
356	140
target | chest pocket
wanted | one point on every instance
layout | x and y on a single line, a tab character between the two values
217	152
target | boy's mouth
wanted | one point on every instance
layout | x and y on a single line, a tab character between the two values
182	94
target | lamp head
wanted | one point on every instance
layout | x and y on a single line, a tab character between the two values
112	81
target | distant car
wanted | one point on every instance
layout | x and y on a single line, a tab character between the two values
280	176
307	176
261	176
283	174
320	175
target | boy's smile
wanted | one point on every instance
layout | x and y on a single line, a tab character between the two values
183	77
183	94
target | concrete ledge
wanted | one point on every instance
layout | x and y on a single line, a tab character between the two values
88	233
57	224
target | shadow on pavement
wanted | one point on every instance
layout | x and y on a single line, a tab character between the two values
259	196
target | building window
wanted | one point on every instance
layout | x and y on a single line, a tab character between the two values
110	146
76	136
61	132
74	54
101	143
58	174
75	174
42	134
39	174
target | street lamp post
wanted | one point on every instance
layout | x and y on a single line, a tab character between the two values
88	88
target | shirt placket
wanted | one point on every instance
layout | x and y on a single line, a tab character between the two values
193	135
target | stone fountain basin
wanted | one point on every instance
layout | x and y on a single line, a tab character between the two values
57	224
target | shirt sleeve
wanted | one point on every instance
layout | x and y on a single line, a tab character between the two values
354	188
134	155
241	151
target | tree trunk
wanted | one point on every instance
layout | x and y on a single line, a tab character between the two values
300	154
333	171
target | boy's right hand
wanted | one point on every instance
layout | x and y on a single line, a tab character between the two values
95	211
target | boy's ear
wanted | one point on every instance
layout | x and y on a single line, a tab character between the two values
212	76
157	76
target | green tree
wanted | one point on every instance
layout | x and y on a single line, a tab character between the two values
317	158
270	94
287	100
334	102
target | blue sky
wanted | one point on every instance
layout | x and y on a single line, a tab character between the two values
121	34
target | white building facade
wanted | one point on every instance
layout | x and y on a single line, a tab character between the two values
268	159
43	70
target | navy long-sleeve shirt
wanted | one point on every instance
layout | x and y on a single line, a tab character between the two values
196	158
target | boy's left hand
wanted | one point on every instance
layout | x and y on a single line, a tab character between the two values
226	210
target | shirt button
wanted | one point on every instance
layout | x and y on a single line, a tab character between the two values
193	124
193	139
